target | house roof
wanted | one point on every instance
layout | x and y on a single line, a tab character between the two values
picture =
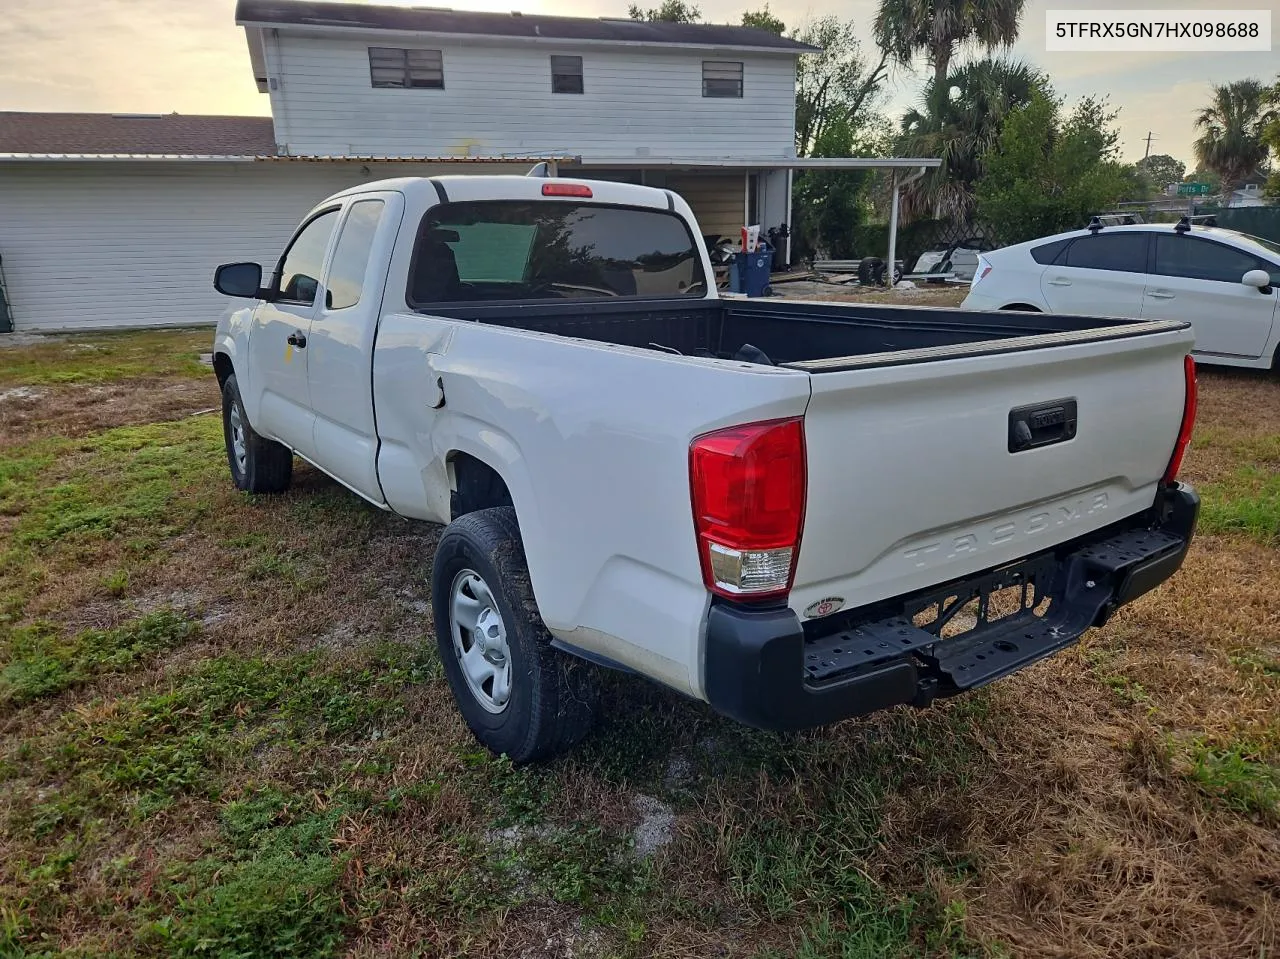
360	16
169	134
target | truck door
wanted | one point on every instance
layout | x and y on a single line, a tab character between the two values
281	406
340	347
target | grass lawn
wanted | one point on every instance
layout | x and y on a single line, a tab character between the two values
224	732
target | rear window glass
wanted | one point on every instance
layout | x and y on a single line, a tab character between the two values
550	249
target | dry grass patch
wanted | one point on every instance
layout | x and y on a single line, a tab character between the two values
225	731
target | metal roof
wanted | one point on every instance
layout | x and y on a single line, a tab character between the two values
762	163
360	16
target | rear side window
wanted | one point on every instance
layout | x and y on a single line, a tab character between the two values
1124	252
1048	252
551	249
351	256
1198	259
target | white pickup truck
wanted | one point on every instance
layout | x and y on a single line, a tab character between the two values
797	512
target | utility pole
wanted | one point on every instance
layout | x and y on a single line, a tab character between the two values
1150	136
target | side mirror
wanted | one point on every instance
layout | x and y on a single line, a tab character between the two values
242	279
1258	278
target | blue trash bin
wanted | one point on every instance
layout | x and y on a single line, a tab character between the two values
750	273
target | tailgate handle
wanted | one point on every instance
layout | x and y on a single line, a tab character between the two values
1043	424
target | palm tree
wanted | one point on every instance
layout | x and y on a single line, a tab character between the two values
937	28
958	121
1234	124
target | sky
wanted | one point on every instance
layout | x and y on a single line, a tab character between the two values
188	56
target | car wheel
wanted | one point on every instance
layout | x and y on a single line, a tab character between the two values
518	694
258	465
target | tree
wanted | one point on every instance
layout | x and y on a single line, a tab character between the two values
1231	142
1272	136
960	127
830	205
939	28
834	88
764	20
1202	175
1049	172
671	11
837	94
1159	170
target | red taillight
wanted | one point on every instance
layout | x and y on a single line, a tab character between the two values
748	486
1188	420
566	189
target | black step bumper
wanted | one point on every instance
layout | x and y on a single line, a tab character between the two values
766	670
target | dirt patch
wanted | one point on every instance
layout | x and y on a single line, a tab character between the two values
28	413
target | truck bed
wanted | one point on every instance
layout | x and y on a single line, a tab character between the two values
813	336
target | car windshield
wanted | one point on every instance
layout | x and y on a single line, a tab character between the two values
1264	245
551	249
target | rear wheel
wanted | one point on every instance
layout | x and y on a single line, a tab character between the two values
258	465
518	694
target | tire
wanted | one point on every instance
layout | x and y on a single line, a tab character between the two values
257	464
524	698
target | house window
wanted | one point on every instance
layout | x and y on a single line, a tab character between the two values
566	74
722	78
397	67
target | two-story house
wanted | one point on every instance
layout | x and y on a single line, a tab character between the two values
118	220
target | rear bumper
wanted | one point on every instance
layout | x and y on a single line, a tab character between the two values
765	670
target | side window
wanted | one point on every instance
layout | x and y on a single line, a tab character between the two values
1197	259
722	78
566	74
300	268
351	256
1048	252
1122	252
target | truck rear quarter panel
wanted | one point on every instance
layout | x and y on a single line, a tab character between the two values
592	441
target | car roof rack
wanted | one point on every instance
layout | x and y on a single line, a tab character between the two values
1204	219
1095	225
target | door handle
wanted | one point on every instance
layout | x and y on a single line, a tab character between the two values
1160	294
297	339
1059	281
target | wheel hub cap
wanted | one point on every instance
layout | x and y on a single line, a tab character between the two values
480	641
238	448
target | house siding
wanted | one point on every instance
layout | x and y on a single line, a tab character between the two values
99	245
497	99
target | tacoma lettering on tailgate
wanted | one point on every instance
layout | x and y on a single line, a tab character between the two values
977	540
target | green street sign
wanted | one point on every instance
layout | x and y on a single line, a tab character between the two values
1193	189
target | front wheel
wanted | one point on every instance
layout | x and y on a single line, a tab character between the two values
258	465
518	694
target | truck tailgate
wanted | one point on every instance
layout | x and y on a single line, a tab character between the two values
929	468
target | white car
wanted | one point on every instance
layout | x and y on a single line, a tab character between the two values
1221	282
747	500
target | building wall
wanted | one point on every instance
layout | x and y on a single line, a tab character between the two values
497	99
97	245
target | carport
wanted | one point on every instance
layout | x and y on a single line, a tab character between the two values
765	183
